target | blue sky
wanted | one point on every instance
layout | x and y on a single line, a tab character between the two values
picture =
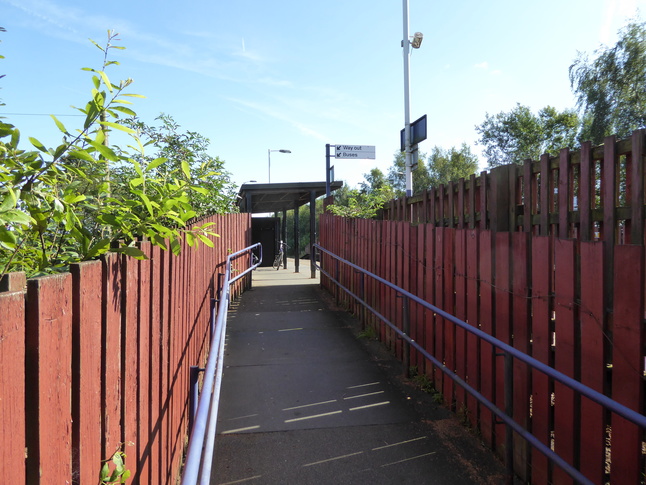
259	75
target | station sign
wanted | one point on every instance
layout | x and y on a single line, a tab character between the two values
355	151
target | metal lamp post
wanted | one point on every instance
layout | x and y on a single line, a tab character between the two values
269	160
406	44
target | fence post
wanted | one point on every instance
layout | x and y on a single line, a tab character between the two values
502	204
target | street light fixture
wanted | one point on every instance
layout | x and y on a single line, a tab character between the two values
269	159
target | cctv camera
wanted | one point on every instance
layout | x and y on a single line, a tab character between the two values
417	40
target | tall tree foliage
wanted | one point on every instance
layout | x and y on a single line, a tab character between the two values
611	87
517	135
440	167
62	205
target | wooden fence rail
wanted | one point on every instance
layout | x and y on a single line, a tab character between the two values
542	294
100	357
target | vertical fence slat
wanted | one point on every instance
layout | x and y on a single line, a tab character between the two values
448	305
541	350
12	386
486	325
429	293
48	396
461	313
566	419
438	299
627	363
144	356
111	354
521	330
593	368
472	314
86	391
501	322
129	362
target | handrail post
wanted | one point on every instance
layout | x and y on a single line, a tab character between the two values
406	330
509	411
193	395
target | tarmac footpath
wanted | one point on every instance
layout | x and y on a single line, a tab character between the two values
303	401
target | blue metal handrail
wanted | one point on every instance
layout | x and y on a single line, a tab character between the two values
199	456
509	353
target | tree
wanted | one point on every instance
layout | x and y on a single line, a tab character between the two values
450	165
217	194
59	205
611	88
364	202
397	174
519	134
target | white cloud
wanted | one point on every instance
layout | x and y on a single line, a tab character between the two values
482	65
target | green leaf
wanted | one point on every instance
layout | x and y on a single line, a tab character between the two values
125	110
60	125
38	144
186	168
206	240
7	236
9	201
133	95
17	216
200	190
98	248
147	203
105	79
156	163
105	151
130	251
190	239
105	472
118	126
81	155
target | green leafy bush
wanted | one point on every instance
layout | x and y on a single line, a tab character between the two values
86	197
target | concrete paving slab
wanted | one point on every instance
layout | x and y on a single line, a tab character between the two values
304	402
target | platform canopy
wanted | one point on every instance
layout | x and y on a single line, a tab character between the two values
261	198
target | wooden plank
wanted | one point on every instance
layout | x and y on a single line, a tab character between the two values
419	287
592	453
12	386
502	323
86	390
637	188
586	192
564	194
486	325
484	208
541	350
528	196
472	318
545	195
129	362
449	307
566	416
48	371
111	358
461	313
144	357
627	363
440	325
429	296
521	331
416	267
609	201
155	366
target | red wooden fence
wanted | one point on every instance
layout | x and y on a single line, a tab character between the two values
549	258
100	356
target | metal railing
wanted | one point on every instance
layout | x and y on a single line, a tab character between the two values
199	457
504	349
